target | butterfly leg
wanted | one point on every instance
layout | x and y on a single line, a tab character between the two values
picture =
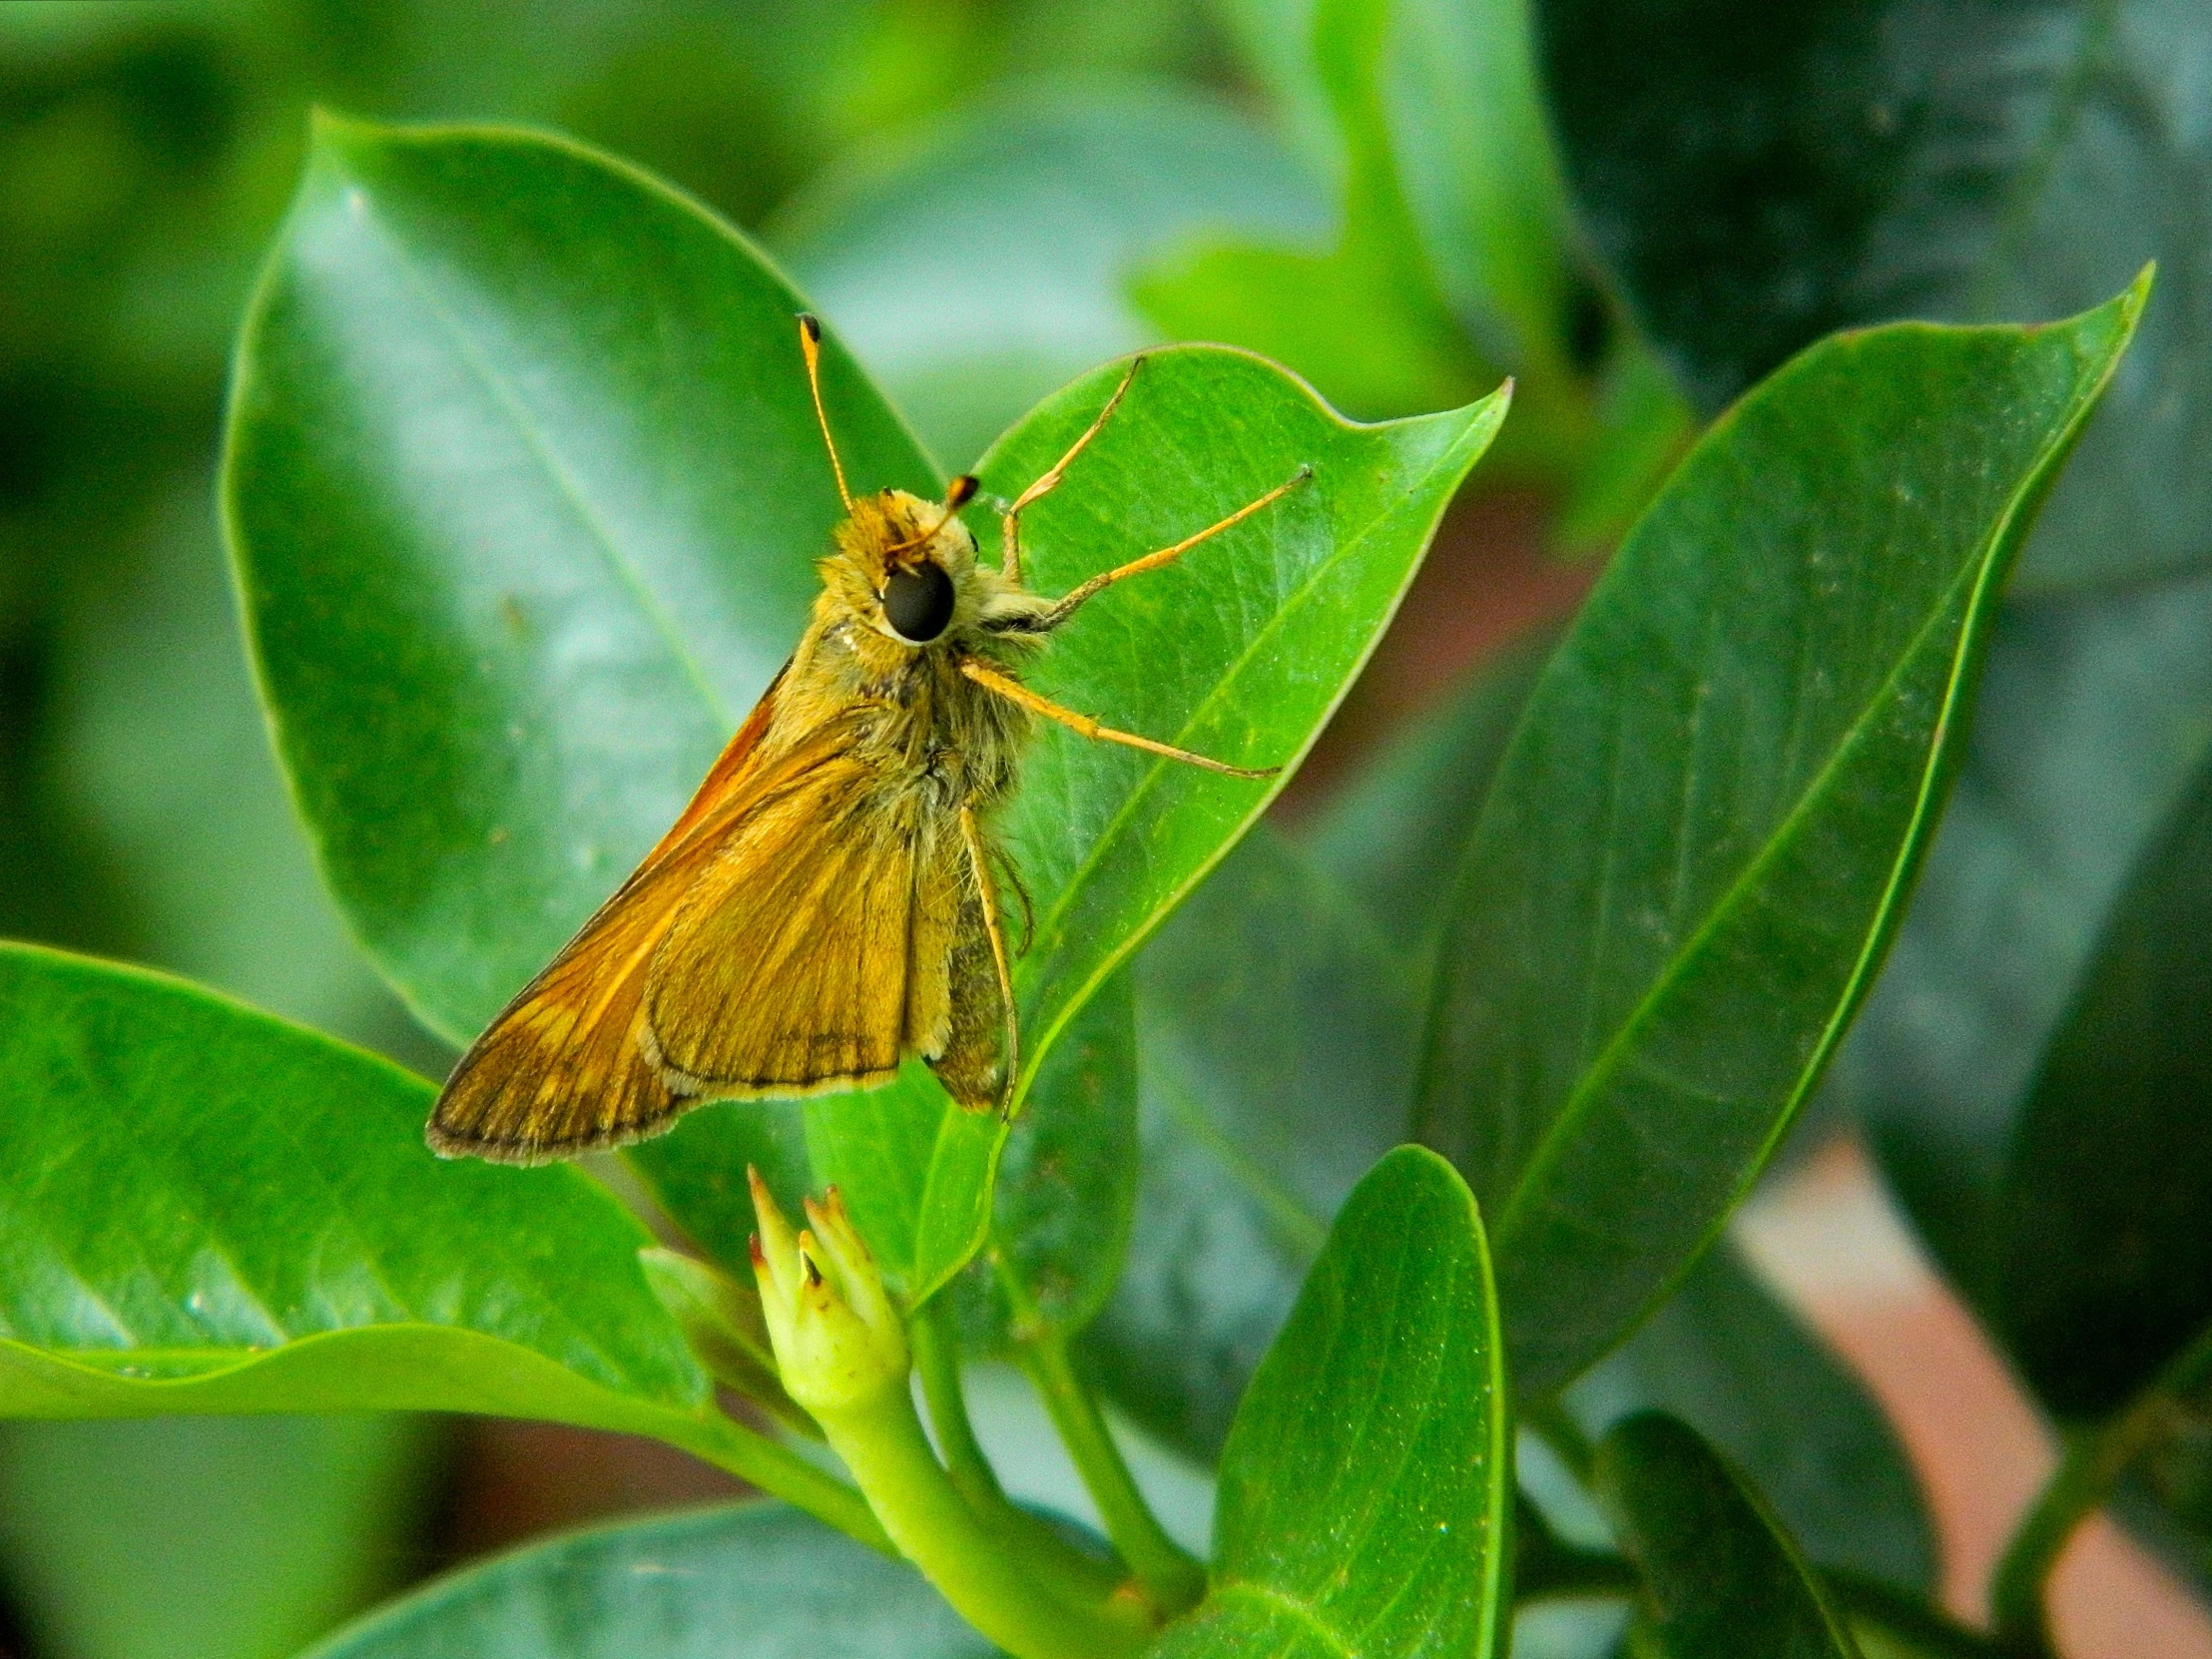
987	891
1013	690
1009	527
1066	607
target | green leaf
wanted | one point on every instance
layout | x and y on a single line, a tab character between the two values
2093	716
524	488
980	264
1365	1490
1868	159
2104	1215
1700	841
1241	651
218	1212
204	1537
1722	1577
1728	1358
779	1585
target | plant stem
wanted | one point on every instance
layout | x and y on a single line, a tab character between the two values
782	1472
1081	1578
1173	1579
939	1366
2091	1467
995	1589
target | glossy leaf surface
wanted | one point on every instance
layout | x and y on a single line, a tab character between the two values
756	1579
1860	161
1700	841
1375	1432
217	1211
1723	1580
1729	1360
662	320
1240	651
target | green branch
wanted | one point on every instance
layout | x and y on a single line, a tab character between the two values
2086	1476
782	1472
1170	1576
1080	1578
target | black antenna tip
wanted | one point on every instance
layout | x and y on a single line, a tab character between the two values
961	491
810	326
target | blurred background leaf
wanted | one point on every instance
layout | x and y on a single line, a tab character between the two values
980	260
1729	1360
230	1539
1862	161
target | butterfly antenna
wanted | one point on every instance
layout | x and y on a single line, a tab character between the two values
809	344
957	494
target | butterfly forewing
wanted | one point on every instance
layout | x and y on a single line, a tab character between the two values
784	969
576	1060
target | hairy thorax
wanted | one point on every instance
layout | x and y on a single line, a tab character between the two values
928	727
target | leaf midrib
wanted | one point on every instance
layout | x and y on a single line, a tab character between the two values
1598	1075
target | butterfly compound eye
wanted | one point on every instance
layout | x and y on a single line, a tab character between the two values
917	603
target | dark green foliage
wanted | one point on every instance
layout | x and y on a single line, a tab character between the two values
2105	1262
1721	1577
1851	162
1695	850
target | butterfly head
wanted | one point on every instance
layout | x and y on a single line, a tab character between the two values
906	566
